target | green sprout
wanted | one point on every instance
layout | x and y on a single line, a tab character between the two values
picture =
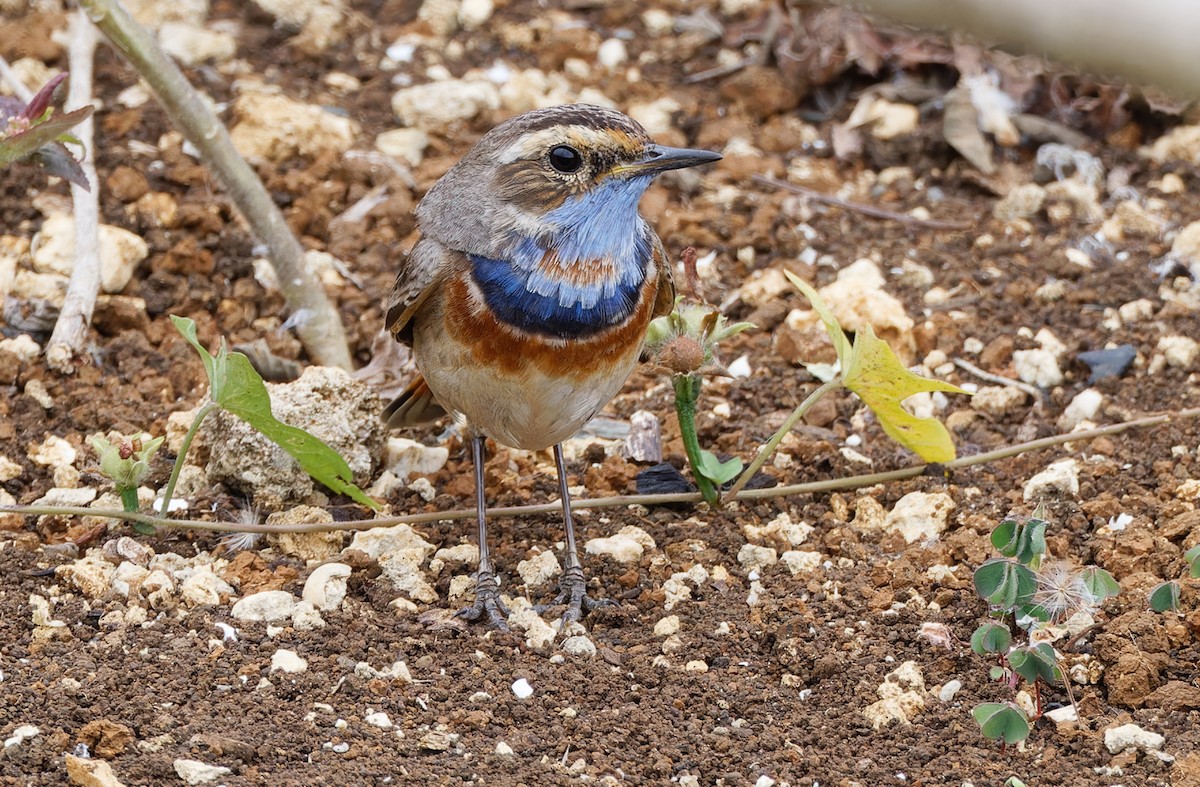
685	343
1164	597
127	463
1026	592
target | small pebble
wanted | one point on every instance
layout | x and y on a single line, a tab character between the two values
522	689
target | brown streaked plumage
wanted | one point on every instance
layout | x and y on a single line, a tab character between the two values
527	299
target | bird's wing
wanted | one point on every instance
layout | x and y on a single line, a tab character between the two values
419	274
665	302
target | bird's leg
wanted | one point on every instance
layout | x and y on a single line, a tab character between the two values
572	588
487	587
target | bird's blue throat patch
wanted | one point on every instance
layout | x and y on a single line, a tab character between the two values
600	248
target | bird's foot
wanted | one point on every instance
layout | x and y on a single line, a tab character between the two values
487	603
572	591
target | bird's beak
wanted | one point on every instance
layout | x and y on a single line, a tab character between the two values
660	158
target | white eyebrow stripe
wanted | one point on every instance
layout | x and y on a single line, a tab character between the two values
534	144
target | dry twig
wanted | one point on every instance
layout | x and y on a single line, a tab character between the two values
84	285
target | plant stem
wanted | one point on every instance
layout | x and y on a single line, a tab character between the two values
769	447
129	499
687	391
320	328
183	450
71	328
813	487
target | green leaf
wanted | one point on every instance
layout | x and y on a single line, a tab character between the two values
1005	583
832	326
1100	584
1165	597
239	390
997	673
1001	721
717	471
991	637
1192	556
1024	540
880	380
1034	662
23	144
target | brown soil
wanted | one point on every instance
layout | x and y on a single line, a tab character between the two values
787	678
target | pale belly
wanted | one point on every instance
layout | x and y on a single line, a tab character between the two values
526	409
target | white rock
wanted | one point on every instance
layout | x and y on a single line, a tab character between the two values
328	403
436	105
269	606
638	535
764	781
781	532
305	617
406	457
798	562
947	692
9	469
579	645
612	53
1178	351
667	626
21	734
62	496
696	665
192	45
121	251
22	347
91	574
620	547
655	115
998	399
127	579
379	719
503	749
1037	367
1057	480
87	772
291	14
325	587
1063	715
288	661
539	569
756	558
474	14
158	589
740	367
1136	311
196	772
857	299
1082	408
126	548
276	128
539	635
522	689
403	143
1022	202
1131	736
400	551
920	516
204	588
53	452
902	697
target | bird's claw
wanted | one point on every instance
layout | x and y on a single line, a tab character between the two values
572	591
487	603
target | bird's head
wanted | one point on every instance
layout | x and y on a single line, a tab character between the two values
566	169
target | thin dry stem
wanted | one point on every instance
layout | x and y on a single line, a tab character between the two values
84	285
851	482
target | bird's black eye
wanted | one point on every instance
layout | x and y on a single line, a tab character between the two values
565	158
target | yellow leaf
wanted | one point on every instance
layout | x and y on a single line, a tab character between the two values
836	335
880	380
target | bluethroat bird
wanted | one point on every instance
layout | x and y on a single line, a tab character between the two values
527	298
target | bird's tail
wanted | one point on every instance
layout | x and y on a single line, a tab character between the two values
416	405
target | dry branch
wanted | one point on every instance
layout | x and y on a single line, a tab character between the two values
84	286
